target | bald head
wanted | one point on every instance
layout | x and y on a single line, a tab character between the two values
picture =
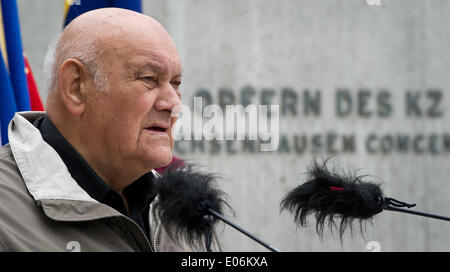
108	24
95	36
115	78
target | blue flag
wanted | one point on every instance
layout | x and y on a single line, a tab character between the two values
78	7
13	82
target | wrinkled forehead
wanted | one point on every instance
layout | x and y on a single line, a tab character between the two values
142	47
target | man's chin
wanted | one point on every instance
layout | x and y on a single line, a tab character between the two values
158	159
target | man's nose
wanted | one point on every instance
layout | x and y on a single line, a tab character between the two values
168	98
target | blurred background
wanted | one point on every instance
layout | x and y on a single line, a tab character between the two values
364	81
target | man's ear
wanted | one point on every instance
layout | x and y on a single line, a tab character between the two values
72	84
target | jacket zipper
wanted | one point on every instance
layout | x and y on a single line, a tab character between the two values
155	236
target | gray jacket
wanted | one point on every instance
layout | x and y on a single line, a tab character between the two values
42	208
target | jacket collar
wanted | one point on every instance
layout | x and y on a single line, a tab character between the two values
45	174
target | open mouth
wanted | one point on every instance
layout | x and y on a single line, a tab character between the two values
158	128
155	128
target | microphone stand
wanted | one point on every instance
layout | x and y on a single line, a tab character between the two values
396	209
392	204
219	216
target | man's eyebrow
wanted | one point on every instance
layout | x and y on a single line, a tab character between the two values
148	67
180	75
153	68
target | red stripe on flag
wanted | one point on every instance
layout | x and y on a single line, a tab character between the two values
35	99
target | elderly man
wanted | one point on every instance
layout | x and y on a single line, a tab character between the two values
79	177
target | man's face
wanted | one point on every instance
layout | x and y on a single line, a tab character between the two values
134	112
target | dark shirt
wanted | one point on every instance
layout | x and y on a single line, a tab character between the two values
139	194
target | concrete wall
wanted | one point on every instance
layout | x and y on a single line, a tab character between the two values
377	73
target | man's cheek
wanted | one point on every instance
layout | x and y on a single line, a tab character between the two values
172	123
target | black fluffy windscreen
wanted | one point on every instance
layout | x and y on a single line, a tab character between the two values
184	197
333	198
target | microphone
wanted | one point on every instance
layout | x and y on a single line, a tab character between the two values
339	200
189	204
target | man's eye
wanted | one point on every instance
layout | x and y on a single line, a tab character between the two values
175	83
148	79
